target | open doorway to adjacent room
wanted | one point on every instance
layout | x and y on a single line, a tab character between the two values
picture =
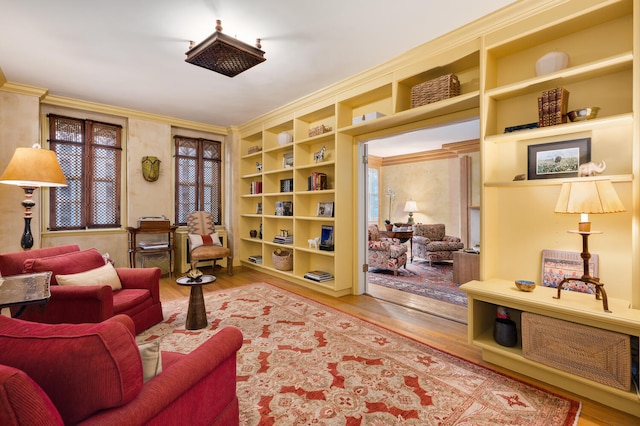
433	176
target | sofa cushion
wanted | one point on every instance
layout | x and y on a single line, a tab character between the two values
104	275
197	240
123	301
151	359
83	368
13	263
63	264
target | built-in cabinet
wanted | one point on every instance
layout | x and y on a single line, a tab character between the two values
494	59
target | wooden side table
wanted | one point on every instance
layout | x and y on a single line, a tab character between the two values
466	267
196	313
136	247
23	290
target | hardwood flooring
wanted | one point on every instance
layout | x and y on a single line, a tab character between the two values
444	334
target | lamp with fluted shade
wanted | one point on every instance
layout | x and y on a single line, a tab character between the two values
32	168
588	197
410	207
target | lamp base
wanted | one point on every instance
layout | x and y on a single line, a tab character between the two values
410	220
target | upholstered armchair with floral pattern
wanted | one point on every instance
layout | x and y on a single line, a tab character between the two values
385	253
431	243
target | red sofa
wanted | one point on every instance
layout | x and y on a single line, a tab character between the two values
91	374
139	297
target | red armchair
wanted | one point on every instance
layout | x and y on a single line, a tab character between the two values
139	297
92	374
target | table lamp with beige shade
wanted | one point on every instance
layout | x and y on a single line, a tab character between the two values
589	196
32	168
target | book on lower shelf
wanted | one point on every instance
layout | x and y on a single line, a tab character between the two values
278	239
255	259
319	276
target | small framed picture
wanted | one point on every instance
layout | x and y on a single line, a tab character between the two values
558	265
259	208
287	160
326	238
558	159
325	209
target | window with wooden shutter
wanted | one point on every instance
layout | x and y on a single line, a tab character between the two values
198	177
89	153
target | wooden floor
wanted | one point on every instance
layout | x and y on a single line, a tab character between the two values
447	335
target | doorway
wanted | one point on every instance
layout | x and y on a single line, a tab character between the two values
421	171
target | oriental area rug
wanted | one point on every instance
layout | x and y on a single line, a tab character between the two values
434	282
305	363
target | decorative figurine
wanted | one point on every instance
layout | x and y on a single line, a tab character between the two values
319	156
591	168
313	243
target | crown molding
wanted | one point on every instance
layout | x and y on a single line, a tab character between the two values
22	89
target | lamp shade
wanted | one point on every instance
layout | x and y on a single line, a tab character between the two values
410	206
33	167
588	196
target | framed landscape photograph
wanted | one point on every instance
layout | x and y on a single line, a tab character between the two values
558	265
557	159
325	209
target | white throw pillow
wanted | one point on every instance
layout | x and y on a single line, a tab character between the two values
104	275
196	240
151	359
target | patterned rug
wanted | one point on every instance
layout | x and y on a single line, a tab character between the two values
434	282
305	363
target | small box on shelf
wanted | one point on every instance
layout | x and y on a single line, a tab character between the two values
366	117
319	130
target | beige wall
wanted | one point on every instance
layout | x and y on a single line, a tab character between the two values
18	128
20	125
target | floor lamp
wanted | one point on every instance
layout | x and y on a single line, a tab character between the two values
584	197
32	168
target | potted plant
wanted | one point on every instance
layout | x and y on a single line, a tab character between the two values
388	226
392	195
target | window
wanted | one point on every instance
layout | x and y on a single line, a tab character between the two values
198	177
374	199
89	153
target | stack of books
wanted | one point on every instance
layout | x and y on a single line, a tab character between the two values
318	276
317	181
152	246
256	187
255	259
552	107
278	239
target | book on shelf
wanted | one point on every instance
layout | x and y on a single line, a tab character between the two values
319	276
255	259
279	239
152	246
553	106
317	181
256	187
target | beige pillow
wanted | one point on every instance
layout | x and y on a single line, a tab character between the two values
104	275
151	359
196	240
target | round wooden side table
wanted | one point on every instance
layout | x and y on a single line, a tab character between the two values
196	313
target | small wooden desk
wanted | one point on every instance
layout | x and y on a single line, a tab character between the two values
135	247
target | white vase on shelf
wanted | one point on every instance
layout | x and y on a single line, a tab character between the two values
284	138
551	62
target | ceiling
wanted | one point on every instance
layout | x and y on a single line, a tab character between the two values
130	53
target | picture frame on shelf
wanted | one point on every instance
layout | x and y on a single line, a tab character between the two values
557	159
279	208
326	238
325	209
287	208
259	208
286	185
557	265
287	160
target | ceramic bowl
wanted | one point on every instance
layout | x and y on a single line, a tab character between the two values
583	114
525	285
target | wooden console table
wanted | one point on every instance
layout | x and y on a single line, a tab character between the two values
485	297
135	247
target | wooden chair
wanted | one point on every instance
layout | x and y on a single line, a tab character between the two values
204	242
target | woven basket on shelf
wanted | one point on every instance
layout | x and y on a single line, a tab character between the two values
282	260
600	355
319	130
435	90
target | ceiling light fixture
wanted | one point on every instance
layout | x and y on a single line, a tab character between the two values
224	54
